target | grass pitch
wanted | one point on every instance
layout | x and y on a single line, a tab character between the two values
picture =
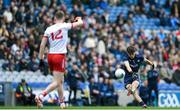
86	108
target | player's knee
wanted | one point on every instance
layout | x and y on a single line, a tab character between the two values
135	83
60	82
55	83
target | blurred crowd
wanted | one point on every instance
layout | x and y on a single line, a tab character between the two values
97	49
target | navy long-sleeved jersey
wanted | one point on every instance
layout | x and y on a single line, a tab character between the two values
134	63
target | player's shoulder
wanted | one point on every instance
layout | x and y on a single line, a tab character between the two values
64	24
126	57
48	29
139	56
51	28
59	25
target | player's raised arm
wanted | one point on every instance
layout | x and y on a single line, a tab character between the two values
78	22
126	63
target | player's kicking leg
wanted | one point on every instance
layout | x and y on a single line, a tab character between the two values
135	94
129	87
57	80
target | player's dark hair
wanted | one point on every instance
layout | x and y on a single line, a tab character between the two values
59	15
131	50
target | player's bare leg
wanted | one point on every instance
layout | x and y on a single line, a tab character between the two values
60	90
129	87
56	82
38	100
136	96
135	84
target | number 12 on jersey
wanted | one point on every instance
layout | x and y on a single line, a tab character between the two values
57	36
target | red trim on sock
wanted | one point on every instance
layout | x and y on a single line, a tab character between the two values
44	93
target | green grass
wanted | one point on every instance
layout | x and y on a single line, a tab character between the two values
86	108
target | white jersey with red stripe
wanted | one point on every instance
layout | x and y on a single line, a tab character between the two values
57	35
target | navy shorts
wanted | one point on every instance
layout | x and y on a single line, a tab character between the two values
130	79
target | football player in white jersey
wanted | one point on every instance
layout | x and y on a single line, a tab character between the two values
57	36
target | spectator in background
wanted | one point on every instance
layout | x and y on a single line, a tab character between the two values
143	90
33	65
175	22
84	73
166	73
161	35
90	42
176	76
153	77
112	95
2	50
164	20
96	74
8	15
72	78
9	65
153	12
94	91
101	48
175	8
24	94
21	63
103	83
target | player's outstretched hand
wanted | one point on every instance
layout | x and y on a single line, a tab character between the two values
41	64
